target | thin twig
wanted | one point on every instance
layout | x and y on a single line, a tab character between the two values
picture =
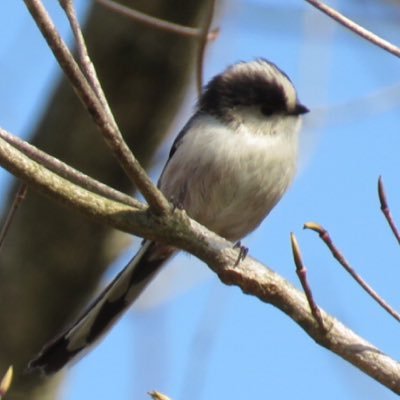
324	235
67	172
156	22
18	198
202	46
301	272
356	28
85	62
156	200
386	210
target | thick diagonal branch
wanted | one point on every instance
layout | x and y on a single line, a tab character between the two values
177	229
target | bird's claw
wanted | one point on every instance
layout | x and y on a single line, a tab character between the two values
242	252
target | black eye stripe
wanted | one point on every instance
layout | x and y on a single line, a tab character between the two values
222	94
269	109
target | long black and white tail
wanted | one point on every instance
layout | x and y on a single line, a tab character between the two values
105	310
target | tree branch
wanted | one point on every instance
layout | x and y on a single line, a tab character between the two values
175	228
86	64
103	119
50	252
325	237
356	28
157	23
302	274
204	33
66	171
386	210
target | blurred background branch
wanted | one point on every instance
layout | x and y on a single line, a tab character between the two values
53	259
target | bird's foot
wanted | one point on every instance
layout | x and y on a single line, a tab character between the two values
177	204
242	252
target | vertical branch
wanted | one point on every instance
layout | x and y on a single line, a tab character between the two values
109	129
84	59
202	46
302	274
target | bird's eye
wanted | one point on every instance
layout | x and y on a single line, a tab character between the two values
268	109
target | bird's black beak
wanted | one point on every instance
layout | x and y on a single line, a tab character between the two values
300	109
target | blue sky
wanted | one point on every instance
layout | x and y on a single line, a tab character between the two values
192	337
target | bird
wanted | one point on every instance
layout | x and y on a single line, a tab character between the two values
227	168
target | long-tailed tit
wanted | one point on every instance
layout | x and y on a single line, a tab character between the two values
228	167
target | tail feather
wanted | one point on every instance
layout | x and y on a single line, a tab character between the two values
105	310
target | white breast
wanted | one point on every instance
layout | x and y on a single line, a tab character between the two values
229	180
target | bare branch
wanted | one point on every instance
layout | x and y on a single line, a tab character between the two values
302	274
157	23
386	210
108	127
178	230
356	28
202	46
324	235
67	172
84	59
18	199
